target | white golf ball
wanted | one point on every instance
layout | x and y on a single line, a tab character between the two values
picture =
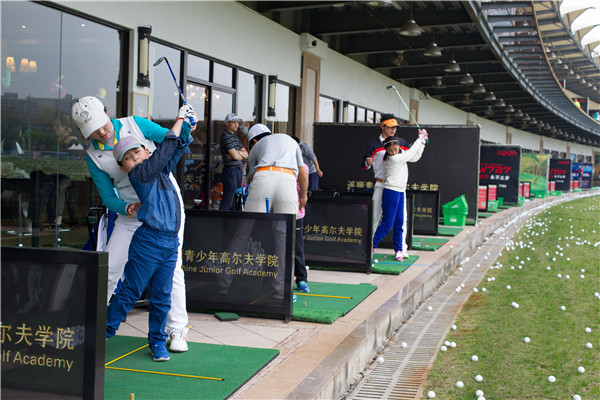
481	398
582	270
475	290
551	379
576	397
443	348
508	287
483	289
453	327
404	345
588	330
515	305
582	276
527	340
563	308
460	384
479	393
380	360
375	261
447	343
431	394
589	345
548	268
478	378
580	369
559	275
453	344
429	308
567	276
474	358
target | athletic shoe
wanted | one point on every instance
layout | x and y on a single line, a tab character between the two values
399	256
405	254
302	287
178	343
159	352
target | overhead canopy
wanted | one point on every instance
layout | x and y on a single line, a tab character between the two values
511	48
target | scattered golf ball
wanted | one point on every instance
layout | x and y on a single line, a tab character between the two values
481	398
567	277
478	378
479	393
475	290
443	348
515	305
563	308
483	289
576	397
559	275
460	384
453	344
582	276
580	369
380	360
429	308
527	340
474	358
404	345
589	345
431	394
453	327
548	268
508	287
588	330
551	379
375	261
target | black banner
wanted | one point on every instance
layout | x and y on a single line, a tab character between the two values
53	323
500	165
337	230
426	211
239	261
449	164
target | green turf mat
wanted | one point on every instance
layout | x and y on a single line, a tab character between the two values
388	265
234	364
449	230
427	243
485	215
326	310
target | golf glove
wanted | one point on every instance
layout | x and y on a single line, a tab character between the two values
186	111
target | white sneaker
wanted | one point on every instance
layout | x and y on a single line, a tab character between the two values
405	254
399	256
178	343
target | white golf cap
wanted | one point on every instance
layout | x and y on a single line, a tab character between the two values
257	129
231	117
88	114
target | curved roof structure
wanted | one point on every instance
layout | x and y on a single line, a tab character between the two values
520	52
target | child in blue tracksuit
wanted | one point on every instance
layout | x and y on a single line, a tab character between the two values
153	249
392	201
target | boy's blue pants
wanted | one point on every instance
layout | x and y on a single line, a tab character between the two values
152	259
392	205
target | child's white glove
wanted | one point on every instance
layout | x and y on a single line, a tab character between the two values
186	111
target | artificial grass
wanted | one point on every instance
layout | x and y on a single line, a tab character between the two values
312	307
551	262
386	264
449	230
484	215
234	364
427	243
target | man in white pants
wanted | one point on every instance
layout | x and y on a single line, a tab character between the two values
373	157
91	117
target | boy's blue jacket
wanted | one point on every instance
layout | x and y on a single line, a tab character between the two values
160	208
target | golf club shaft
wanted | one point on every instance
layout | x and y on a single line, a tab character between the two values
192	122
407	109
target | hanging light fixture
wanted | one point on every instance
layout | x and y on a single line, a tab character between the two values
526	117
433	50
519	114
439	83
411	28
500	103
509	109
479	88
452	66
466	79
490	96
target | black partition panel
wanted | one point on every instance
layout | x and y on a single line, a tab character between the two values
501	165
426	209
560	172
337	230
53	323
239	261
450	162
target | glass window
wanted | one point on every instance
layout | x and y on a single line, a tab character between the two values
198	68
194	161
360	114
223	75
47	62
247	88
222	104
327	109
370	116
282	123
351	113
165	95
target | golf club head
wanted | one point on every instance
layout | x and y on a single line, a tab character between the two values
159	61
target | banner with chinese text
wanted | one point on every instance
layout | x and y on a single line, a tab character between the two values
582	173
239	261
53	323
500	165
